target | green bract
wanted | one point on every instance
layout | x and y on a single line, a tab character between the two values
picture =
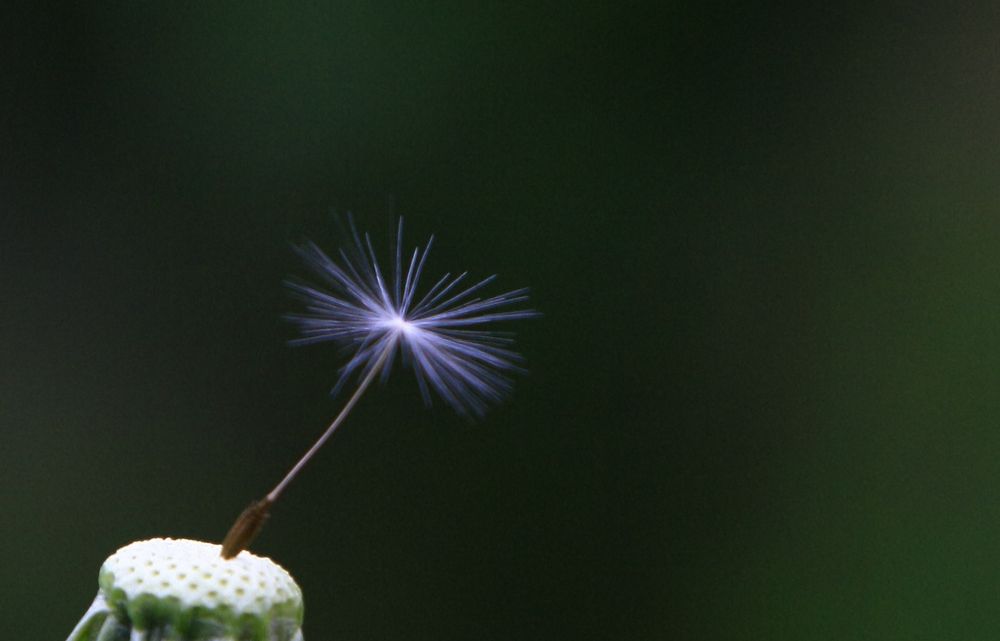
183	590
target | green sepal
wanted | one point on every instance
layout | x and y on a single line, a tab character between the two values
113	630
90	628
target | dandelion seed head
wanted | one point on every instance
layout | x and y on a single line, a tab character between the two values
441	332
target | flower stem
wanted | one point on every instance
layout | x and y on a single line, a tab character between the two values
251	520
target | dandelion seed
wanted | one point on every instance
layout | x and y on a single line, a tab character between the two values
440	333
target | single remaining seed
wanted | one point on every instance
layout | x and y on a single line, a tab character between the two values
380	316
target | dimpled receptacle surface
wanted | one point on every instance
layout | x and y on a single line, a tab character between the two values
186	585
195	574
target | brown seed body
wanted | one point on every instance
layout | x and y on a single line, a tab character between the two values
246	527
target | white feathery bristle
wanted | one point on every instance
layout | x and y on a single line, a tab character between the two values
442	332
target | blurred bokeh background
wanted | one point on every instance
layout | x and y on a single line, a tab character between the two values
763	398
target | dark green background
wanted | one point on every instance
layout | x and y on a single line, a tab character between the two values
763	397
